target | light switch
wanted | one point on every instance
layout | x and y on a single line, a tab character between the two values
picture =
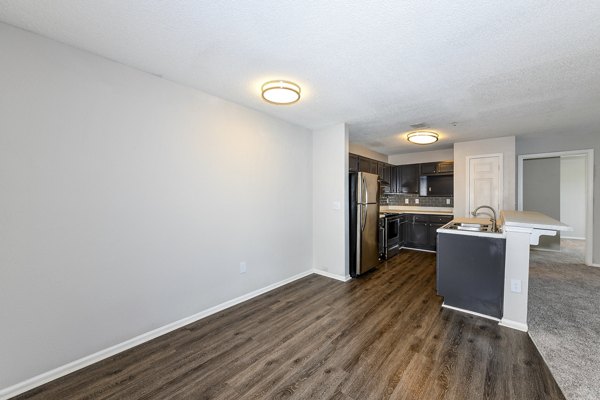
337	205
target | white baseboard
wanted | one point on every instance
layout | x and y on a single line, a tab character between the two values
572	237
469	312
514	325
595	265
332	276
56	373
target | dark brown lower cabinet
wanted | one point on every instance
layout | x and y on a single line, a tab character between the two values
432	235
421	230
418	235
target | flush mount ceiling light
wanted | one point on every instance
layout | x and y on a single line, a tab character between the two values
422	137
280	92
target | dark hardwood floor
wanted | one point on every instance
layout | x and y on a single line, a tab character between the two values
383	336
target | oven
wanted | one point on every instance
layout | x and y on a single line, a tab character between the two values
390	233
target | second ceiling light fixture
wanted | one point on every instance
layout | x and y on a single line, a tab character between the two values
280	92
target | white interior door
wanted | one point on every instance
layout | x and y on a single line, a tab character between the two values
484	182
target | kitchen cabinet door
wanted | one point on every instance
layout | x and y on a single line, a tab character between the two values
398	179
393	180
387	171
374	167
429	168
364	164
409	180
352	162
380	169
445	167
432	235
419	235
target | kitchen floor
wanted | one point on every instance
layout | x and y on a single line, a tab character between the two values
563	318
381	336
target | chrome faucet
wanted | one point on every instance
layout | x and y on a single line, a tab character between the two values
474	214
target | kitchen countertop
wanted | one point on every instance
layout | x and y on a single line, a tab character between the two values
533	220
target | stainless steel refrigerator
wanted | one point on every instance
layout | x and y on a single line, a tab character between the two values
364	222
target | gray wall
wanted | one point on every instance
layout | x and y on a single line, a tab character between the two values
541	192
127	203
566	142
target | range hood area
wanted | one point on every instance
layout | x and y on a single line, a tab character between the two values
437	185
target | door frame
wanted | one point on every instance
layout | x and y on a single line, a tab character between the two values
589	206
500	180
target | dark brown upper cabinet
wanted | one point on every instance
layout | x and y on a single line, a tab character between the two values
358	163
445	167
364	164
352	162
402	178
387	173
380	170
409	179
440	167
374	167
428	168
394	180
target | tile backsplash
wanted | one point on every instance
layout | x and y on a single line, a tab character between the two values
400	200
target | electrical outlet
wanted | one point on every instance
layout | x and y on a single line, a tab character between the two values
243	267
448	201
406	201
515	285
416	201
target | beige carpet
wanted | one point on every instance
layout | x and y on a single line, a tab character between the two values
564	318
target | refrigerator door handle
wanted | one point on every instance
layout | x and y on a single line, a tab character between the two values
363	216
366	192
363	193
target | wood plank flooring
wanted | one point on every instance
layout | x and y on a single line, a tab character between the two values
383	336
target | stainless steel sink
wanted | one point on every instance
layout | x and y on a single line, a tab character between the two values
471	227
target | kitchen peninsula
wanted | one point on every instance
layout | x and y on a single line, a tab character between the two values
486	272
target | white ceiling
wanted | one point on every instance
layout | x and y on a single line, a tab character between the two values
470	69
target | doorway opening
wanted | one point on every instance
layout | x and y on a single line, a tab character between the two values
560	185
